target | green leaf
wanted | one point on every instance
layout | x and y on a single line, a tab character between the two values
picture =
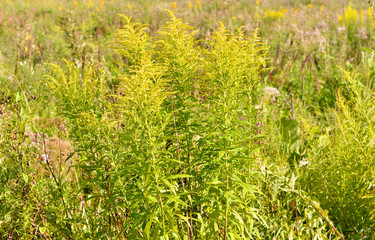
149	223
180	176
18	97
151	198
25	177
176	200
215	182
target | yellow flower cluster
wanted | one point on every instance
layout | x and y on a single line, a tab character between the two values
273	15
197	4
89	4
352	19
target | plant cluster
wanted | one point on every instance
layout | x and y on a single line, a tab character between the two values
113	129
171	151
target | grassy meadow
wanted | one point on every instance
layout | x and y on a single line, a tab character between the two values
189	119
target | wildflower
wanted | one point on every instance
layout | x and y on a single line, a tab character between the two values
363	33
44	158
339	18
369	13
273	15
321	8
257	3
89	4
59	7
295	10
189	5
271	93
341	29
303	162
75	4
97	9
128	6
199	4
310	5
284	10
101	3
234	18
362	17
174	5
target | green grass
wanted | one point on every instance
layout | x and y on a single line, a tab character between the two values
212	120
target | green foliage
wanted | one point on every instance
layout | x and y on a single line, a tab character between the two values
177	132
340	172
172	150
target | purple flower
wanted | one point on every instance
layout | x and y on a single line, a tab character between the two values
33	9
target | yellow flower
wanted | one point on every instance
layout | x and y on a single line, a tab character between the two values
189	5
234	18
339	18
101	3
310	5
284	10
295	10
89	4
75	4
59	7
174	5
321	8
273	15
257	3
198	4
128	6
97	9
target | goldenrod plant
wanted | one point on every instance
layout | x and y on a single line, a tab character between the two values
171	151
121	120
273	15
339	172
358	25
